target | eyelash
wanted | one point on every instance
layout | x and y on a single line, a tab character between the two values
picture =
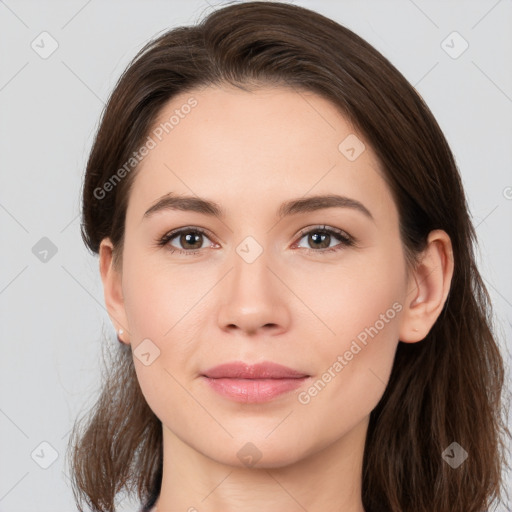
345	239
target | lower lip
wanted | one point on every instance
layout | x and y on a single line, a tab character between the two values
254	390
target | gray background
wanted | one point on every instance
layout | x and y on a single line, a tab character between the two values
52	312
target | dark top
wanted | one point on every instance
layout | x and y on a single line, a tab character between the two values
150	503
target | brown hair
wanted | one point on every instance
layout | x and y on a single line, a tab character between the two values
445	388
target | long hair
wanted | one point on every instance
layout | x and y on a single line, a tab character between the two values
446	388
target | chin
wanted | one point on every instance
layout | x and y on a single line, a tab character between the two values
258	454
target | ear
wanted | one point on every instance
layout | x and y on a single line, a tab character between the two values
428	287
112	289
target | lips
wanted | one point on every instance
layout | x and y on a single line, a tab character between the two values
251	384
264	370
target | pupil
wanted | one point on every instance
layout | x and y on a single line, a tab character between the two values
189	238
322	236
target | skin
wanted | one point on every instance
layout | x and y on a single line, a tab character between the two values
251	151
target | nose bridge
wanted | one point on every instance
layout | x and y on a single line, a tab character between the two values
253	297
250	276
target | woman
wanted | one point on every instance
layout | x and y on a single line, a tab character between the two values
287	257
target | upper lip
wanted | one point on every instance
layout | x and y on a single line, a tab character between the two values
263	370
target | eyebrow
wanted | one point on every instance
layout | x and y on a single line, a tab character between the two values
172	201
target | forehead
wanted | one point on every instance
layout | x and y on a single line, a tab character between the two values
245	148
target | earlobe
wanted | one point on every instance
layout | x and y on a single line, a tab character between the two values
112	289
429	285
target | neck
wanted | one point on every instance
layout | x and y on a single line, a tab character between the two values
327	480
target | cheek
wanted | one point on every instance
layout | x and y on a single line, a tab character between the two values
364	310
162	305
159	297
356	294
165	305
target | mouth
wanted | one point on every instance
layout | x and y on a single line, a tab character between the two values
261	382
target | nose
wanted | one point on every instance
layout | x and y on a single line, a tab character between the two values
254	299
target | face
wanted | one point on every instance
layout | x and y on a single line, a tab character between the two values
318	288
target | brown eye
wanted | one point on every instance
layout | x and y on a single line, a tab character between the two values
193	241
319	239
189	241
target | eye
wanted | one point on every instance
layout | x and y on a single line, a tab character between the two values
321	236
189	238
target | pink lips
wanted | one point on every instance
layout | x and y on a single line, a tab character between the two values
246	383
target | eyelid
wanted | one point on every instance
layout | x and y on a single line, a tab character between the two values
325	227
